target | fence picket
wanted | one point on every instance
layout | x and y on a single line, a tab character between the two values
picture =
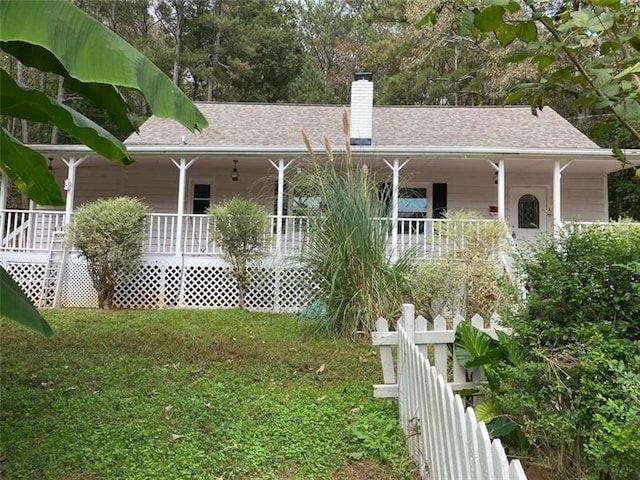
459	373
500	463
386	356
445	440
440	351
421	326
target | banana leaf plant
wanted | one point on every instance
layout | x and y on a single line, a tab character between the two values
16	306
57	37
476	349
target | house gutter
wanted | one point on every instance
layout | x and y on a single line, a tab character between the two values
141	151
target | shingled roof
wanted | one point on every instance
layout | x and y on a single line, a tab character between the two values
254	124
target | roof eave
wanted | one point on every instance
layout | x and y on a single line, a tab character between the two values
633	155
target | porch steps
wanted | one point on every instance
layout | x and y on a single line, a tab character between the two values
54	270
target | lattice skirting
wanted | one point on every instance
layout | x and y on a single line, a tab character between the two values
194	282
28	272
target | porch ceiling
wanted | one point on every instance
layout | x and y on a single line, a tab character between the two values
580	161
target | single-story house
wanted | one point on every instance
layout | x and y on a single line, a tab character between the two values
534	172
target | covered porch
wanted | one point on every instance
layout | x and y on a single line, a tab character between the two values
530	190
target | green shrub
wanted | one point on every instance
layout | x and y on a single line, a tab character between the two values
109	233
468	279
576	391
239	226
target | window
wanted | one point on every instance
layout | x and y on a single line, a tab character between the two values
201	197
412	203
528	212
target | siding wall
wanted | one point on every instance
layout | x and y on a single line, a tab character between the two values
470	186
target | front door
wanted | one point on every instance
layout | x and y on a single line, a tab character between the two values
528	212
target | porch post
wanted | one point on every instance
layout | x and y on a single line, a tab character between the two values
183	166
557	192
281	167
396	167
70	186
499	169
4	194
501	191
557	175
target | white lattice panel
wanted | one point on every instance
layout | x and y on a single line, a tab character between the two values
29	276
261	295
145	289
165	282
207	286
77	288
295	289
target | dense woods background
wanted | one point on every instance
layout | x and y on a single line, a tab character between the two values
305	51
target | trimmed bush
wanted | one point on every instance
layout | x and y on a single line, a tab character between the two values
239	226
109	234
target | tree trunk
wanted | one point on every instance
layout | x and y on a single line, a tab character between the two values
178	36
60	98
23	123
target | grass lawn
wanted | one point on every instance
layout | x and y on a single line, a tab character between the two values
195	394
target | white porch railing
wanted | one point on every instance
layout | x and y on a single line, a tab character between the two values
32	231
29	231
444	438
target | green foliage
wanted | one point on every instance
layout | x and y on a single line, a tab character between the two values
476	349
16	306
468	280
239	226
346	252
103	398
109	234
575	392
592	48
624	194
438	287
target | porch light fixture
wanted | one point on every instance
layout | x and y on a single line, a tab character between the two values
234	172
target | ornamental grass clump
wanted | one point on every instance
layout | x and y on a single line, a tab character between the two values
109	234
346	251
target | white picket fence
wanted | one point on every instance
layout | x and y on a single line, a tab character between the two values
444	439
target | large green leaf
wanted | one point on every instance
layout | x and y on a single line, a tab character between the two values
487	410
501	426
506	34
473	347
104	96
527	31
489	19
30	104
91	53
16	306
28	171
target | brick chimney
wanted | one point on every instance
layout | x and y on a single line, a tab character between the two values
361	124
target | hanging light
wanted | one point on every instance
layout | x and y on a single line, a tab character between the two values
234	172
50	164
